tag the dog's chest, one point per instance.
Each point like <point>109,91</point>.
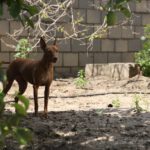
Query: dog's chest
<point>42,77</point>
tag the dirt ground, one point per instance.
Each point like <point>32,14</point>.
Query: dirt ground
<point>80,119</point>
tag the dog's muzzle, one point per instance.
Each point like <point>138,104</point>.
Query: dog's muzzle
<point>54,59</point>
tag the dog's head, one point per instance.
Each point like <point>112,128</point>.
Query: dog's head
<point>50,51</point>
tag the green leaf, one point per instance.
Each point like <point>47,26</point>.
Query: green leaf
<point>13,120</point>
<point>111,18</point>
<point>126,12</point>
<point>24,100</point>
<point>23,135</point>
<point>4,129</point>
<point>14,9</point>
<point>120,1</point>
<point>29,21</point>
<point>31,9</point>
<point>20,110</point>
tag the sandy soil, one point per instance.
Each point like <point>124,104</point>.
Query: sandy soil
<point>80,119</point>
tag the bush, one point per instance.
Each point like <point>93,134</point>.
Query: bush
<point>23,48</point>
<point>143,56</point>
<point>10,125</point>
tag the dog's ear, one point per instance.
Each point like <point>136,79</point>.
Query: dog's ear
<point>55,41</point>
<point>42,44</point>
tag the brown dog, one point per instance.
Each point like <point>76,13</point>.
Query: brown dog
<point>38,73</point>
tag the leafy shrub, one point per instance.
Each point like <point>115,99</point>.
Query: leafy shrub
<point>10,125</point>
<point>81,80</point>
<point>143,56</point>
<point>23,48</point>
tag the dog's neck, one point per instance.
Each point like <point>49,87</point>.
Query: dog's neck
<point>46,63</point>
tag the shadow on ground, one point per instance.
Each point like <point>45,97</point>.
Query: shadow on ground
<point>100,129</point>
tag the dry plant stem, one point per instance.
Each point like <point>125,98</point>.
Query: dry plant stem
<point>52,16</point>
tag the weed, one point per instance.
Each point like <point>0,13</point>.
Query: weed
<point>81,81</point>
<point>116,103</point>
<point>136,104</point>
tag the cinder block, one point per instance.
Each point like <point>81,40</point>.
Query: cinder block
<point>85,58</point>
<point>4,27</point>
<point>108,45</point>
<point>70,59</point>
<point>93,16</point>
<point>78,46</point>
<point>115,32</point>
<point>75,70</point>
<point>85,31</point>
<point>75,3</point>
<point>139,31</point>
<point>128,57</point>
<point>96,45</point>
<point>132,6</point>
<point>97,2</point>
<point>137,19</point>
<point>85,3</point>
<point>65,45</point>
<point>12,54</point>
<point>145,19</point>
<point>100,58</point>
<point>15,26</point>
<point>120,18</point>
<point>62,72</point>
<point>80,15</point>
<point>127,32</point>
<point>142,6</point>
<point>102,34</point>
<point>64,18</point>
<point>5,12</point>
<point>121,46</point>
<point>68,29</point>
<point>134,45</point>
<point>4,57</point>
<point>7,44</point>
<point>114,57</point>
<point>118,71</point>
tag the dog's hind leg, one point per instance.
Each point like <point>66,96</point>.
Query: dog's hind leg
<point>22,87</point>
<point>8,86</point>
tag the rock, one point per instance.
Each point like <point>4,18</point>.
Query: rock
<point>117,71</point>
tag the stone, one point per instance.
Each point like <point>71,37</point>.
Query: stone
<point>118,71</point>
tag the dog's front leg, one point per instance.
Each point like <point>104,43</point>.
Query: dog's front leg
<point>35,89</point>
<point>46,96</point>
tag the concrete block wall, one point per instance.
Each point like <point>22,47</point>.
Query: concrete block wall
<point>118,45</point>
